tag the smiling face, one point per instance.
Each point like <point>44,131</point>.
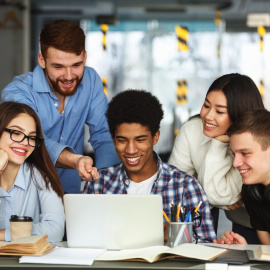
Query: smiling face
<point>18,152</point>
<point>214,114</point>
<point>64,70</point>
<point>134,146</point>
<point>252,162</point>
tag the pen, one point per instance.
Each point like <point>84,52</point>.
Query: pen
<point>187,216</point>
<point>166,217</point>
<point>172,212</point>
<point>91,176</point>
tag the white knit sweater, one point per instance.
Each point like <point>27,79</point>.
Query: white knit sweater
<point>210,161</point>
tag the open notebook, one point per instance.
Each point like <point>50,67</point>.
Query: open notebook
<point>113,221</point>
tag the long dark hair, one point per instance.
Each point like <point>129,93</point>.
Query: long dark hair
<point>39,158</point>
<point>241,94</point>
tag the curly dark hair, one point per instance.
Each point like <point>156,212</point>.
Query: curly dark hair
<point>134,106</point>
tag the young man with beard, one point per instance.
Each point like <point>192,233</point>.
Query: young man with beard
<point>250,143</point>
<point>67,95</point>
<point>134,118</point>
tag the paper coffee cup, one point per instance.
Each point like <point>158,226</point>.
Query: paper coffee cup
<point>20,226</point>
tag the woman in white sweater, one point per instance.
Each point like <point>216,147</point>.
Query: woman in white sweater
<point>202,147</point>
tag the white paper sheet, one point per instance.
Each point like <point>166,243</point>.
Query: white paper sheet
<point>60,255</point>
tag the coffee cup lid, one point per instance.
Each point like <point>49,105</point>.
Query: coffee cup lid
<point>20,218</point>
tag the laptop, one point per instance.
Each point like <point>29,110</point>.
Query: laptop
<point>113,221</point>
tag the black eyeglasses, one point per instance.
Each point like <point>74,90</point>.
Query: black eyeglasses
<point>18,136</point>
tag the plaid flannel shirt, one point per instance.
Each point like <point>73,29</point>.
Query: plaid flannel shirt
<point>171,183</point>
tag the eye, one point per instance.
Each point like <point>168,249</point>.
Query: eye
<point>121,140</point>
<point>206,106</point>
<point>16,132</point>
<point>57,66</point>
<point>219,112</point>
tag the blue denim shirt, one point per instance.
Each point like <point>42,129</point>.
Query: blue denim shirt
<point>66,130</point>
<point>24,198</point>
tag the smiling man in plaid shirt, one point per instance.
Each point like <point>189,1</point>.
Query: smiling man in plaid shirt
<point>134,118</point>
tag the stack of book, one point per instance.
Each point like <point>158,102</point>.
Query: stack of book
<point>35,245</point>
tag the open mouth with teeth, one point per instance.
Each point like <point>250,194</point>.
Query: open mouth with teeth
<point>133,160</point>
<point>210,125</point>
<point>20,152</point>
<point>68,84</point>
<point>243,171</point>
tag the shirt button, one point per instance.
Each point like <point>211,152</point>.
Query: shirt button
<point>61,138</point>
<point>55,104</point>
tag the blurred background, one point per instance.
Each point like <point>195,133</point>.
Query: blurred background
<point>172,48</point>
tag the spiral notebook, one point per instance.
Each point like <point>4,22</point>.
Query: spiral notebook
<point>113,222</point>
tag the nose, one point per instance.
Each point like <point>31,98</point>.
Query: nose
<point>68,73</point>
<point>25,141</point>
<point>237,161</point>
<point>210,115</point>
<point>131,148</point>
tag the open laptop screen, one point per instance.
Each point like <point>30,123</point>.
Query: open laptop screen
<point>113,221</point>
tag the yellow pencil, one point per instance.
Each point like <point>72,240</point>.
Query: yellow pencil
<point>166,217</point>
<point>198,206</point>
<point>178,211</point>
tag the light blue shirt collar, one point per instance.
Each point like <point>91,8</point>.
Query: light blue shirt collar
<point>20,180</point>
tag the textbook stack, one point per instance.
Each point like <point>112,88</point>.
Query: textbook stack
<point>35,245</point>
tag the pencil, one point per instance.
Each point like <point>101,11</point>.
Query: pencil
<point>166,217</point>
<point>198,206</point>
<point>178,211</point>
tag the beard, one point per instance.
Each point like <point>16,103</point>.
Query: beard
<point>56,85</point>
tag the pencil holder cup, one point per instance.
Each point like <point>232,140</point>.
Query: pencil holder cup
<point>20,226</point>
<point>179,233</point>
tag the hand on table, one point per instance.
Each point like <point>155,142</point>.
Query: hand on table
<point>230,237</point>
